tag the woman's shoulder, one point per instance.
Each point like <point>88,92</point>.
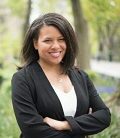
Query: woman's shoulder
<point>23,72</point>
<point>79,71</point>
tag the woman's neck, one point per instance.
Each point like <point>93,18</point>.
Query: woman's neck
<point>56,69</point>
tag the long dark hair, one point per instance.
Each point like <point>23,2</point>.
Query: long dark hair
<point>30,54</point>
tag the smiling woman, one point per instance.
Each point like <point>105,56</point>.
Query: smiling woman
<point>51,97</point>
<point>51,46</point>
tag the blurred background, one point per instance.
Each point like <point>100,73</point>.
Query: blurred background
<point>97,25</point>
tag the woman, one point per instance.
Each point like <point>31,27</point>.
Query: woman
<point>51,98</point>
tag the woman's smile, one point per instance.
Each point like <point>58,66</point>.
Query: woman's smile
<point>55,54</point>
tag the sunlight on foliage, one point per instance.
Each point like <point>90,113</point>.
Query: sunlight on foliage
<point>17,7</point>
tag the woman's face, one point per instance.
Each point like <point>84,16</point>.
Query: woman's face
<point>51,45</point>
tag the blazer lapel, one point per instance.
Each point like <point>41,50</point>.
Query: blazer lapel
<point>82,102</point>
<point>57,107</point>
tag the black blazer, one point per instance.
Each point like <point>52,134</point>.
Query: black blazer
<point>34,98</point>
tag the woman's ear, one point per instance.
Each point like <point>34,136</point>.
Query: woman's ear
<point>35,44</point>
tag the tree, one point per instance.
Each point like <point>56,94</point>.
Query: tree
<point>105,20</point>
<point>81,29</point>
<point>27,18</point>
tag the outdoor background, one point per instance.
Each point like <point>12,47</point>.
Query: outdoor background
<point>97,25</point>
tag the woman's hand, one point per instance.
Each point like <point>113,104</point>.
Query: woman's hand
<point>58,125</point>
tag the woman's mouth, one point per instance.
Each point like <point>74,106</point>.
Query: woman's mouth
<point>55,54</point>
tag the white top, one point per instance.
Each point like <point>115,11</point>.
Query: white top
<point>68,101</point>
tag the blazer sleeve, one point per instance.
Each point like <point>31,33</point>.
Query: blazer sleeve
<point>30,122</point>
<point>96,121</point>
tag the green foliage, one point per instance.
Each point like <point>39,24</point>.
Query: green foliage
<point>17,7</point>
<point>49,7</point>
<point>98,13</point>
<point>59,6</point>
<point>102,80</point>
<point>10,45</point>
<point>93,76</point>
<point>10,42</point>
<point>113,131</point>
<point>8,126</point>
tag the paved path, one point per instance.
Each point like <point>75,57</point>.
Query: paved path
<point>111,69</point>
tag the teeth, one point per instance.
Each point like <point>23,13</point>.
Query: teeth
<point>55,54</point>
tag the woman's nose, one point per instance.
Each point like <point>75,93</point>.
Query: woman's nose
<point>55,44</point>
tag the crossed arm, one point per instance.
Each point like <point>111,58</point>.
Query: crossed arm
<point>58,125</point>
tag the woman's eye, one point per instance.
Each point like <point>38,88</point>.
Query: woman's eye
<point>62,39</point>
<point>47,41</point>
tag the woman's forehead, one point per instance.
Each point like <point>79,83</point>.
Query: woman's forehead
<point>49,31</point>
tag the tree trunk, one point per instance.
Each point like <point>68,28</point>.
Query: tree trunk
<point>27,17</point>
<point>81,29</point>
